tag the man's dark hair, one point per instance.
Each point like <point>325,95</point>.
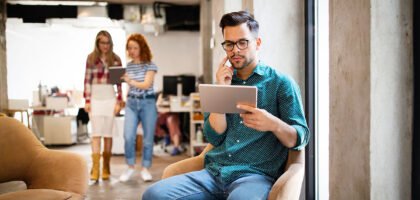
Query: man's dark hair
<point>237,18</point>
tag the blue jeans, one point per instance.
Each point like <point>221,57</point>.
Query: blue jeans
<point>136,111</point>
<point>203,185</point>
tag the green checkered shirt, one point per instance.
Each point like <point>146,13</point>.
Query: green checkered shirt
<point>241,150</point>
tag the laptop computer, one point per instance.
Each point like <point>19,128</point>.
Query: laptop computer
<point>224,98</point>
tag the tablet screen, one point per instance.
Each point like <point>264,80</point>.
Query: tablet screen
<point>224,98</point>
<point>115,74</point>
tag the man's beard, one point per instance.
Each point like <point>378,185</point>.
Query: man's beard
<point>238,66</point>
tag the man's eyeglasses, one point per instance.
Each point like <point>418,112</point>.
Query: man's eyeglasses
<point>241,44</point>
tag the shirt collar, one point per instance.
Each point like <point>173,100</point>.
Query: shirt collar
<point>259,69</point>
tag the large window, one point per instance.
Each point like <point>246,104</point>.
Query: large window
<point>317,98</point>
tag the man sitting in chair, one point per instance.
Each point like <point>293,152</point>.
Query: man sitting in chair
<point>250,149</point>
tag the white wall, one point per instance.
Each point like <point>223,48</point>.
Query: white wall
<point>282,34</point>
<point>233,5</point>
<point>175,52</point>
<point>56,54</point>
<point>53,54</point>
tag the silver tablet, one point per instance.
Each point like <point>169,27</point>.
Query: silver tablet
<point>115,74</point>
<point>224,98</point>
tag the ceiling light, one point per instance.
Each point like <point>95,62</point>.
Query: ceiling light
<point>56,3</point>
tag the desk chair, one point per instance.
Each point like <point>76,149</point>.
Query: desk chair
<point>48,174</point>
<point>287,186</point>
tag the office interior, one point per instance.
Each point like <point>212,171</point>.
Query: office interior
<point>354,62</point>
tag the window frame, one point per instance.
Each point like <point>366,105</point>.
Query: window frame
<point>310,173</point>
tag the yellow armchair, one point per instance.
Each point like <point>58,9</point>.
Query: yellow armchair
<point>48,174</point>
<point>287,186</point>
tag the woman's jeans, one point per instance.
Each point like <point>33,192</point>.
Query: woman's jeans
<point>136,111</point>
<point>201,185</point>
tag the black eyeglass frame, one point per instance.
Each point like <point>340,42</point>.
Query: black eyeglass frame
<point>235,44</point>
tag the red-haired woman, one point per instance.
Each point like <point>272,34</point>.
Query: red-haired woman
<point>140,106</point>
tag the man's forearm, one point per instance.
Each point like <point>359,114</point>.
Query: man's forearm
<point>218,122</point>
<point>285,133</point>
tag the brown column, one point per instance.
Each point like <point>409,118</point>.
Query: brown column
<point>206,34</point>
<point>350,105</point>
<point>3,67</point>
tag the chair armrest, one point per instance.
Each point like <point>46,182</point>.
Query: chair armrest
<point>289,185</point>
<point>184,166</point>
<point>58,170</point>
<point>188,165</point>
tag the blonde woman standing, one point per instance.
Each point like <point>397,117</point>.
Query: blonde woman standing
<point>102,102</point>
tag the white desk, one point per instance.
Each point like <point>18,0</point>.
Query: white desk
<point>55,129</point>
<point>59,130</point>
<point>118,135</point>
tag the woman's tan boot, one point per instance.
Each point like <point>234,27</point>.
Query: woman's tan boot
<point>94,172</point>
<point>106,169</point>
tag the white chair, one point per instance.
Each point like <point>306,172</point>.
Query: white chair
<point>19,106</point>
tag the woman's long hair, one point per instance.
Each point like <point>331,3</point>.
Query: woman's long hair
<point>111,57</point>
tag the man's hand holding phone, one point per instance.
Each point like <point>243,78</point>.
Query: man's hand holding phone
<point>224,73</point>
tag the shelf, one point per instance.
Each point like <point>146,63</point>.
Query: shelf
<point>197,119</point>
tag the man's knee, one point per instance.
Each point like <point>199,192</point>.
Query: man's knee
<point>153,192</point>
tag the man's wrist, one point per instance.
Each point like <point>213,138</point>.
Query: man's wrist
<point>217,114</point>
<point>276,125</point>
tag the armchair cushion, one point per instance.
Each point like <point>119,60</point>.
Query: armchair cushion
<point>41,194</point>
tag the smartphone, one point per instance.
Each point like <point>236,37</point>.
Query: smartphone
<point>228,63</point>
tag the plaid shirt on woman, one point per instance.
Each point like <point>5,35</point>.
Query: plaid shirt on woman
<point>98,73</point>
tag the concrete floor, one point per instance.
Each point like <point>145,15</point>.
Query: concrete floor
<point>113,189</point>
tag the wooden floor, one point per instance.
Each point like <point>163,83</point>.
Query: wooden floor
<point>113,189</point>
